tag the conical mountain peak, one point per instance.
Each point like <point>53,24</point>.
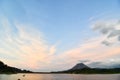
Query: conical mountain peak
<point>79,66</point>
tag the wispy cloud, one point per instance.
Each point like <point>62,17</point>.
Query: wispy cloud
<point>25,47</point>
<point>110,29</point>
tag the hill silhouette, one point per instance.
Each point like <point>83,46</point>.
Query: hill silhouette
<point>8,69</point>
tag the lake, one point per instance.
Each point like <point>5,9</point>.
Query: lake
<point>60,77</point>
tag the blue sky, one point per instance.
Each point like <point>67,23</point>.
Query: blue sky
<point>57,27</point>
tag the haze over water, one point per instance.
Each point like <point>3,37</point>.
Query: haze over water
<point>60,77</point>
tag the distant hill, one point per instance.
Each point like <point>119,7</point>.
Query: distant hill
<point>81,68</point>
<point>8,69</point>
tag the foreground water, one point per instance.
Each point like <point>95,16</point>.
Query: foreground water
<point>60,77</point>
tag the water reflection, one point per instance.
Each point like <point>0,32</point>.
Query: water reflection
<point>60,77</point>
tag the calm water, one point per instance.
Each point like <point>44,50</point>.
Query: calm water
<point>60,77</point>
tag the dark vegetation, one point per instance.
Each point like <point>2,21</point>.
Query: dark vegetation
<point>7,69</point>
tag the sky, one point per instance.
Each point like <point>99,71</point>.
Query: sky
<point>53,35</point>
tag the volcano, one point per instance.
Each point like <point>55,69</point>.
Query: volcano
<point>80,66</point>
